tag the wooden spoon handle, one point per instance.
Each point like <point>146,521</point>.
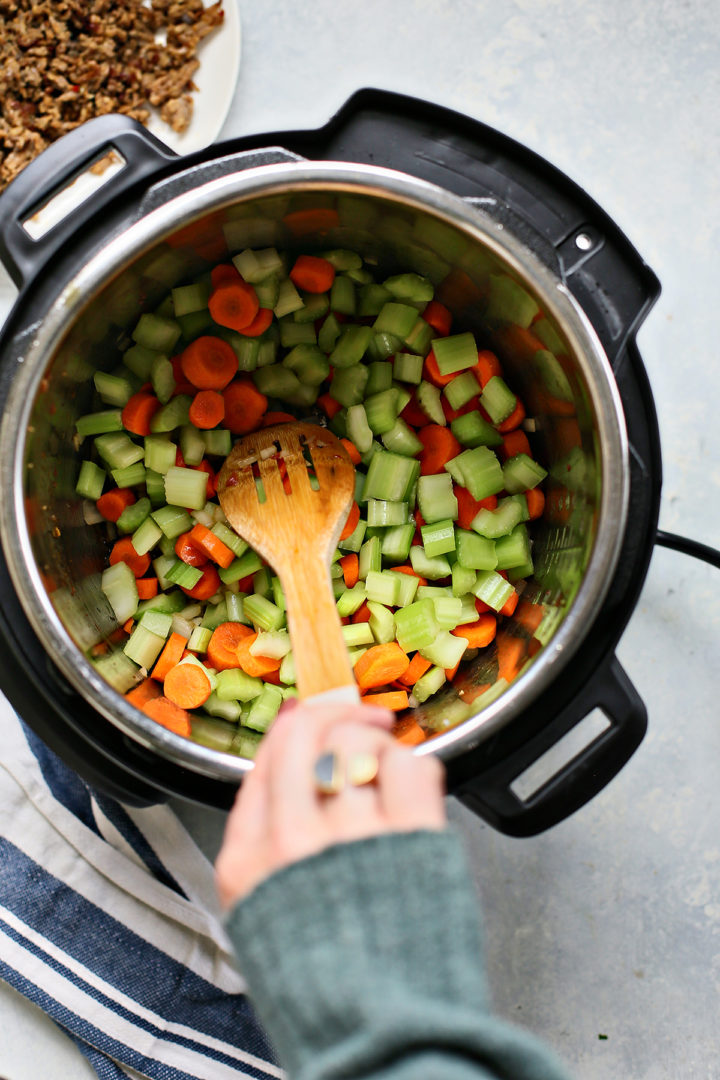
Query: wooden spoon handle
<point>321,659</point>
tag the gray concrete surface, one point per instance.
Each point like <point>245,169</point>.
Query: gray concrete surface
<point>603,934</point>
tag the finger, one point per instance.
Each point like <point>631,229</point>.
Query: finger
<point>355,811</point>
<point>412,790</point>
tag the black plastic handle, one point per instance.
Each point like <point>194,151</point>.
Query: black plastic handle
<point>55,169</point>
<point>489,794</point>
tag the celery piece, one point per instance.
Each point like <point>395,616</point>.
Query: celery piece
<point>513,550</point>
<point>230,538</point>
<point>278,594</point>
<point>397,319</point>
<point>492,589</point>
<point>192,444</point>
<point>217,729</point>
<point>113,389</point>
<point>200,639</point>
<point>234,685</point>
<point>91,481</point>
<point>428,684</point>
<point>156,332</point>
<point>160,453</point>
<point>263,613</point>
<point>432,592</point>
<point>234,607</point>
<point>195,323</point>
<point>497,399</point>
<point>438,537</point>
<point>215,615</point>
<point>397,541</point>
<point>245,743</point>
<point>381,411</point>
<point>288,300</point>
<point>276,380</point>
<point>372,298</point>
<point>242,567</point>
<point>389,476</point>
<point>186,487</point>
<point>354,541</point>
<point>139,360</point>
<point>383,513</point>
<point>508,302</point>
<point>462,389</point>
<point>370,557</point>
<point>401,439</point>
<point>130,476</point>
<point>383,587</point>
<point>267,351</point>
<point>162,378</point>
<point>382,347</point>
<point>475,552</point>
<point>407,587</point>
<point>432,569</point>
<point>521,473</point>
<point>463,579</point>
<point>155,487</point>
<point>420,338</point>
<point>162,565</point>
<point>458,352</point>
<point>255,266</point>
<point>428,398</point>
<point>351,346</point>
<point>342,259</point>
<point>379,377</point>
<point>519,573</point>
<point>357,634</point>
<point>448,611</point>
<point>350,600</point>
<point>309,363</point>
<point>247,350</point>
<point>381,622</point>
<point>184,575</point>
<point>470,612</point>
<point>143,646</point>
<point>98,423</point>
<point>408,368</point>
<point>264,708</point>
<point>172,520</point>
<point>133,516</point>
<point>499,522</point>
<point>328,334</point>
<point>157,622</point>
<point>436,498</point>
<point>190,298</point>
<point>218,442</point>
<point>166,545</point>
<point>357,428</point>
<point>342,296</point>
<point>416,625</point>
<point>146,536</point>
<point>274,644</point>
<point>411,287</point>
<point>473,429</point>
<point>294,332</point>
<point>120,587</point>
<point>172,415</point>
<point>261,581</point>
<point>479,471</point>
<point>118,670</point>
<point>118,450</point>
<point>287,673</point>
<point>446,650</point>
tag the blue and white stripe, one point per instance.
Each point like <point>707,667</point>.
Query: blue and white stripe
<point>109,923</point>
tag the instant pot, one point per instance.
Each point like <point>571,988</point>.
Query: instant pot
<point>522,256</point>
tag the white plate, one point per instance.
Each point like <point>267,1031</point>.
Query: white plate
<point>216,78</point>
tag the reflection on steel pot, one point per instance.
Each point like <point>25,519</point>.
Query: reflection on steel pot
<point>164,224</point>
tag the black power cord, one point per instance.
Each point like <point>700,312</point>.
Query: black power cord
<point>688,547</point>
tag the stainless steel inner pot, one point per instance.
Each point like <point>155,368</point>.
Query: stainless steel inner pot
<point>496,287</point>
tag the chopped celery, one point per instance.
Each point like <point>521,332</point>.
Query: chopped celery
<point>354,541</point>
<point>342,296</point>
<point>475,552</point>
<point>370,557</point>
<point>263,613</point>
<point>143,646</point>
<point>428,397</point>
<point>234,685</point>
<point>388,476</point>
<point>230,538</point>
<point>461,389</point>
<point>492,589</point>
<point>146,536</point>
<point>117,449</point>
<point>264,708</point>
<point>397,319</point>
<point>357,634</point>
<point>293,332</point>
<point>189,298</point>
<point>448,612</point>
<point>479,471</point>
<point>274,644</point>
<point>381,512</point>
<point>497,399</point>
<point>463,579</point>
<point>350,600</point>
<point>429,684</point>
<point>113,389</point>
<point>455,353</point>
<point>120,587</point>
<point>348,385</point>
<point>182,574</point>
<point>99,422</point>
<point>514,549</point>
<point>351,346</point>
<point>160,453</point>
<point>521,473</point>
<point>130,476</point>
<point>156,332</point>
<point>200,639</point>
<point>416,625</point>
<point>241,567</point>
<point>381,622</point>
<point>401,439</point>
<point>446,650</point>
<point>411,287</point>
<point>498,522</point>
<point>172,520</point>
<point>218,442</point>
<point>91,481</point>
<point>383,587</point>
<point>172,415</point>
<point>436,498</point>
<point>472,429</point>
<point>408,367</point>
<point>133,516</point>
<point>432,569</point>
<point>192,444</point>
<point>380,375</point>
<point>186,487</point>
<point>397,542</point>
<point>357,427</point>
<point>438,538</point>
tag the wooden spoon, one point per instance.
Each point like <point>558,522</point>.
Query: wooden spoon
<point>297,533</point>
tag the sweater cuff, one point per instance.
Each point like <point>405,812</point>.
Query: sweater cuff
<point>329,944</point>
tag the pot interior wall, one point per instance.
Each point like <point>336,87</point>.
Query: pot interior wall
<point>70,547</point>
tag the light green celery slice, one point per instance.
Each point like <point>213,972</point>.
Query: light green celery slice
<point>357,634</point>
<point>428,684</point>
<point>446,651</point>
<point>381,622</point>
<point>120,587</point>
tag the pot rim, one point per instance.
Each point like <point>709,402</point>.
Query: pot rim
<point>276,179</point>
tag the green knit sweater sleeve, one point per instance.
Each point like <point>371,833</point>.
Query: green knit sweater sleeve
<point>365,961</point>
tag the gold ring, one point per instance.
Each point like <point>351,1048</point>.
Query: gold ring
<point>332,773</point>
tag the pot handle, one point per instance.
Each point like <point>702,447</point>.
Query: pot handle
<point>490,792</point>
<point>141,153</point>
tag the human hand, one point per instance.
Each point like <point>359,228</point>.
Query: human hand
<point>279,817</point>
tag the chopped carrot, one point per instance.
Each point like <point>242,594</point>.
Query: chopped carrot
<point>439,317</point>
<point>207,409</point>
<point>222,647</point>
<point>112,503</point>
<point>380,664</point>
<point>391,699</point>
<point>511,653</point>
<point>408,732</point>
<point>409,570</point>
<point>329,405</point>
<point>207,586</point>
<point>517,341</point>
<point>123,551</point>
<point>128,626</point>
<point>451,672</point>
<point>480,633</point>
<point>510,604</point>
<point>514,420</point>
<point>209,363</point>
<point>350,566</point>
<point>143,692</point>
<point>315,219</point>
<point>417,668</point>
<point>224,273</point>
<point>277,417</point>
<point>431,371</point>
<point>470,406</point>
<point>139,411</point>
<point>487,366</point>
<point>353,452</point>
<point>100,649</point>
<point>439,447</point>
<point>481,607</point>
<point>312,274</point>
<point>172,654</point>
<point>245,406</point>
<point>257,666</point>
<point>535,503</point>
<point>469,508</point>
<point>470,693</point>
<point>234,304</point>
<point>187,550</point>
<point>413,414</point>
<point>182,386</point>
<point>259,324</point>
<point>147,587</point>
<point>351,523</point>
<point>211,545</point>
<point>170,715</point>
<point>515,442</point>
<point>187,685</point>
<point>363,614</point>
<point>529,616</point>
<point>206,467</point>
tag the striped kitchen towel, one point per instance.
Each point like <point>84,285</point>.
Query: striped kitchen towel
<point>109,923</point>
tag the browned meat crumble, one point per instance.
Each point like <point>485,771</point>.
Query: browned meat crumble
<point>63,62</point>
